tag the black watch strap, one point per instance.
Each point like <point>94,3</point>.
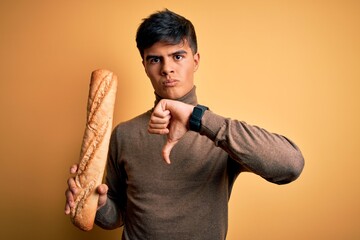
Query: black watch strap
<point>196,116</point>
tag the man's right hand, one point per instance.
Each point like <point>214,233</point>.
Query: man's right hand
<point>72,190</point>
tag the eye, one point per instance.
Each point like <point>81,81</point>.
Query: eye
<point>178,57</point>
<point>154,60</point>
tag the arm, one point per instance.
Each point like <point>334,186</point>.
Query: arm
<point>108,216</point>
<point>269,155</point>
<point>272,156</point>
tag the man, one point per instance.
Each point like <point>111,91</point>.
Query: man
<point>187,198</point>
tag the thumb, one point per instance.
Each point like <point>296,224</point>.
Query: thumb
<point>167,149</point>
<point>102,191</point>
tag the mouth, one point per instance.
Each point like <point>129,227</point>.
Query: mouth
<point>170,83</point>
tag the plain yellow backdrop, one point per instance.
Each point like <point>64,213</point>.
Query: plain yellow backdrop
<point>292,67</point>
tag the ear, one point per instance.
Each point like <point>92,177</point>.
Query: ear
<point>196,61</point>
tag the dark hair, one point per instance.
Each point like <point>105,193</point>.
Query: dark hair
<point>165,26</point>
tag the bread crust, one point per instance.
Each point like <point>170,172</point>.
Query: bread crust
<point>94,149</point>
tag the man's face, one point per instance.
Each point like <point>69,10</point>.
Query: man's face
<point>171,68</point>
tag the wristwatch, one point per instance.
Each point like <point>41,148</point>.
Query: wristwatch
<point>196,116</point>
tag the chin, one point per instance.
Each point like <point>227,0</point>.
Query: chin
<point>170,95</point>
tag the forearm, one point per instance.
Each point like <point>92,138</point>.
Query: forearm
<point>269,155</point>
<point>109,216</point>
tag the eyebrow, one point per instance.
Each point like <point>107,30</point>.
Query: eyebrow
<point>180,52</point>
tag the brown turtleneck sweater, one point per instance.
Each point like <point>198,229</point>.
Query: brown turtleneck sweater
<point>187,199</point>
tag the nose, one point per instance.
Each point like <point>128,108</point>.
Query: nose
<point>167,68</point>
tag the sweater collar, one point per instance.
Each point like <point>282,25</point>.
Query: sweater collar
<point>189,98</point>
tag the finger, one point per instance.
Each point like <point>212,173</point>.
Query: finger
<point>72,189</point>
<point>70,203</point>
<point>153,125</point>
<point>102,190</point>
<point>162,131</point>
<point>159,125</point>
<point>160,113</point>
<point>160,120</point>
<point>72,186</point>
<point>68,199</point>
<point>167,150</point>
<point>69,196</point>
<point>73,169</point>
<point>67,209</point>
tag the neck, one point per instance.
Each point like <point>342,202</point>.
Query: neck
<point>189,98</point>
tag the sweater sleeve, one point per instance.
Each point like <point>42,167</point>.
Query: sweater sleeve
<point>108,216</point>
<point>269,155</point>
<point>111,215</point>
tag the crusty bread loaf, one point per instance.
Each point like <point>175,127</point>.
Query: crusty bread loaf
<point>94,148</point>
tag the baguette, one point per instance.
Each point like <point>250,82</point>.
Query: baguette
<point>94,147</point>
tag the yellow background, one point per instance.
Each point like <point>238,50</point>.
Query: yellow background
<point>292,67</point>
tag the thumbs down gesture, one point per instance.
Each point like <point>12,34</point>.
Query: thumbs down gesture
<point>171,118</point>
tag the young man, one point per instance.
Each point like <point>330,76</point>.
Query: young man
<point>187,198</point>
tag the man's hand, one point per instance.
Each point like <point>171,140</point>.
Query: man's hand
<point>170,117</point>
<point>72,190</point>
